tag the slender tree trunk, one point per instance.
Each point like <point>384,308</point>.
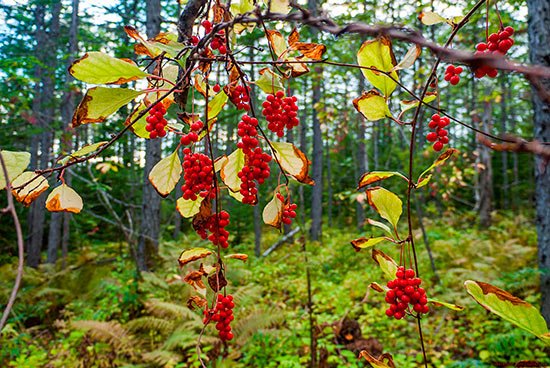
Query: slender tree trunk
<point>303,148</point>
<point>504,155</point>
<point>362,158</point>
<point>485,169</point>
<point>539,52</point>
<point>150,213</point>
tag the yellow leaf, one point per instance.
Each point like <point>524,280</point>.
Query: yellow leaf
<point>372,105</point>
<point>378,54</point>
<point>363,242</point>
<point>409,104</point>
<point>34,185</point>
<point>193,254</point>
<point>138,128</point>
<point>410,57</point>
<point>374,176</point>
<point>386,263</point>
<point>166,173</point>
<point>430,18</point>
<point>380,362</point>
<point>99,68</point>
<point>439,303</point>
<point>16,163</point>
<point>278,6</point>
<point>188,208</point>
<point>269,82</point>
<point>230,170</point>
<point>273,211</point>
<point>87,149</point>
<point>293,161</point>
<point>277,42</point>
<point>386,203</point>
<point>438,162</point>
<point>64,199</point>
<point>216,105</point>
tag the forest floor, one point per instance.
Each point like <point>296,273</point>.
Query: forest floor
<point>96,314</point>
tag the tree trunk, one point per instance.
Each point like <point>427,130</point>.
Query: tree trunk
<point>303,148</point>
<point>505,194</point>
<point>539,52</point>
<point>485,170</point>
<point>150,213</point>
<point>362,158</point>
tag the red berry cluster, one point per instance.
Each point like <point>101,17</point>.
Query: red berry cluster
<point>156,121</point>
<point>218,41</point>
<point>497,43</point>
<point>223,315</point>
<point>256,168</point>
<point>246,129</point>
<point>192,136</point>
<point>440,135</point>
<point>289,210</point>
<point>405,291</point>
<point>241,97</point>
<point>280,112</point>
<point>452,74</point>
<point>197,175</point>
<point>216,224</point>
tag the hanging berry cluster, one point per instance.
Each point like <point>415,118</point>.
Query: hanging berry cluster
<point>215,225</point>
<point>405,292</point>
<point>280,112</point>
<point>156,123</point>
<point>440,135</point>
<point>223,315</point>
<point>496,43</point>
<point>256,166</point>
<point>289,210</point>
<point>217,42</point>
<point>452,74</point>
<point>193,135</point>
<point>241,97</point>
<point>197,175</point>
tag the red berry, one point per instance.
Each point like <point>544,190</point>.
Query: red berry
<point>438,146</point>
<point>216,88</point>
<point>454,80</point>
<point>482,46</point>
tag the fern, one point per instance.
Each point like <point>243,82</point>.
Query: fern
<point>254,321</point>
<point>111,333</point>
<point>161,309</point>
<point>162,358</point>
<point>150,323</point>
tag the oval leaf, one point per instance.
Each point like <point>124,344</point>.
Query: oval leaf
<point>374,176</point>
<point>230,170</point>
<point>82,152</point>
<point>381,225</point>
<point>386,203</point>
<point>16,163</point>
<point>293,161</point>
<point>99,68</point>
<point>409,104</point>
<point>440,161</point>
<point>273,212</point>
<point>372,106</point>
<point>216,105</point>
<point>430,18</point>
<point>386,263</point>
<point>378,54</point>
<point>409,58</point>
<point>439,303</point>
<point>64,199</point>
<point>269,82</point>
<point>100,102</point>
<point>188,208</point>
<point>509,307</point>
<point>362,243</point>
<point>34,185</point>
<point>166,173</point>
<point>193,254</point>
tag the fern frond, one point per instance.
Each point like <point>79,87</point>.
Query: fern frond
<point>150,323</point>
<point>253,322</point>
<point>162,358</point>
<point>184,337</point>
<point>111,333</point>
<point>161,309</point>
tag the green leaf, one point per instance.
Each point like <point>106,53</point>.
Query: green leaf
<point>64,199</point>
<point>230,170</point>
<point>166,173</point>
<point>381,225</point>
<point>509,307</point>
<point>374,176</point>
<point>439,303</point>
<point>438,162</point>
<point>423,181</point>
<point>188,208</point>
<point>409,104</point>
<point>216,105</point>
<point>100,102</point>
<point>372,105</point>
<point>386,263</point>
<point>269,82</point>
<point>293,161</point>
<point>99,68</point>
<point>430,18</point>
<point>362,243</point>
<point>16,163</point>
<point>378,54</point>
<point>386,203</point>
<point>193,254</point>
<point>87,149</point>
<point>138,128</point>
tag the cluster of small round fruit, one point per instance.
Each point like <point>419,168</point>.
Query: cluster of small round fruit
<point>218,41</point>
<point>280,112</point>
<point>440,134</point>
<point>289,210</point>
<point>223,315</point>
<point>452,74</point>
<point>497,43</point>
<point>216,225</point>
<point>156,123</point>
<point>197,175</point>
<point>405,291</point>
<point>193,135</point>
<point>240,96</point>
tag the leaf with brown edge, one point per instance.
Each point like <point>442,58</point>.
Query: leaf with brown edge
<point>230,170</point>
<point>439,303</point>
<point>194,278</point>
<point>409,104</point>
<point>372,105</point>
<point>101,102</point>
<point>198,301</point>
<point>296,69</point>
<point>16,163</point>
<point>165,174</point>
<point>293,37</point>
<point>386,203</point>
<point>374,176</point>
<point>509,308</point>
<point>188,208</point>
<point>87,149</point>
<point>273,212</point>
<point>277,42</point>
<point>293,161</point>
<point>64,199</point>
<point>378,288</point>
<point>34,185</point>
<point>438,162</point>
<point>384,361</point>
<point>313,51</point>
<point>193,254</point>
<point>217,279</point>
<point>410,57</point>
<point>386,263</point>
<point>99,68</point>
<point>378,54</point>
<point>269,81</point>
<point>240,256</point>
<point>278,6</point>
<point>363,242</point>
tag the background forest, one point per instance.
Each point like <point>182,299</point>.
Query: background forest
<point>104,289</point>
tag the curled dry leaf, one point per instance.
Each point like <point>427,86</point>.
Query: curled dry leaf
<point>193,254</point>
<point>64,199</point>
<point>217,279</point>
<point>374,176</point>
<point>384,361</point>
<point>28,186</point>
<point>378,288</point>
<point>240,256</point>
<point>363,242</point>
<point>198,301</point>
